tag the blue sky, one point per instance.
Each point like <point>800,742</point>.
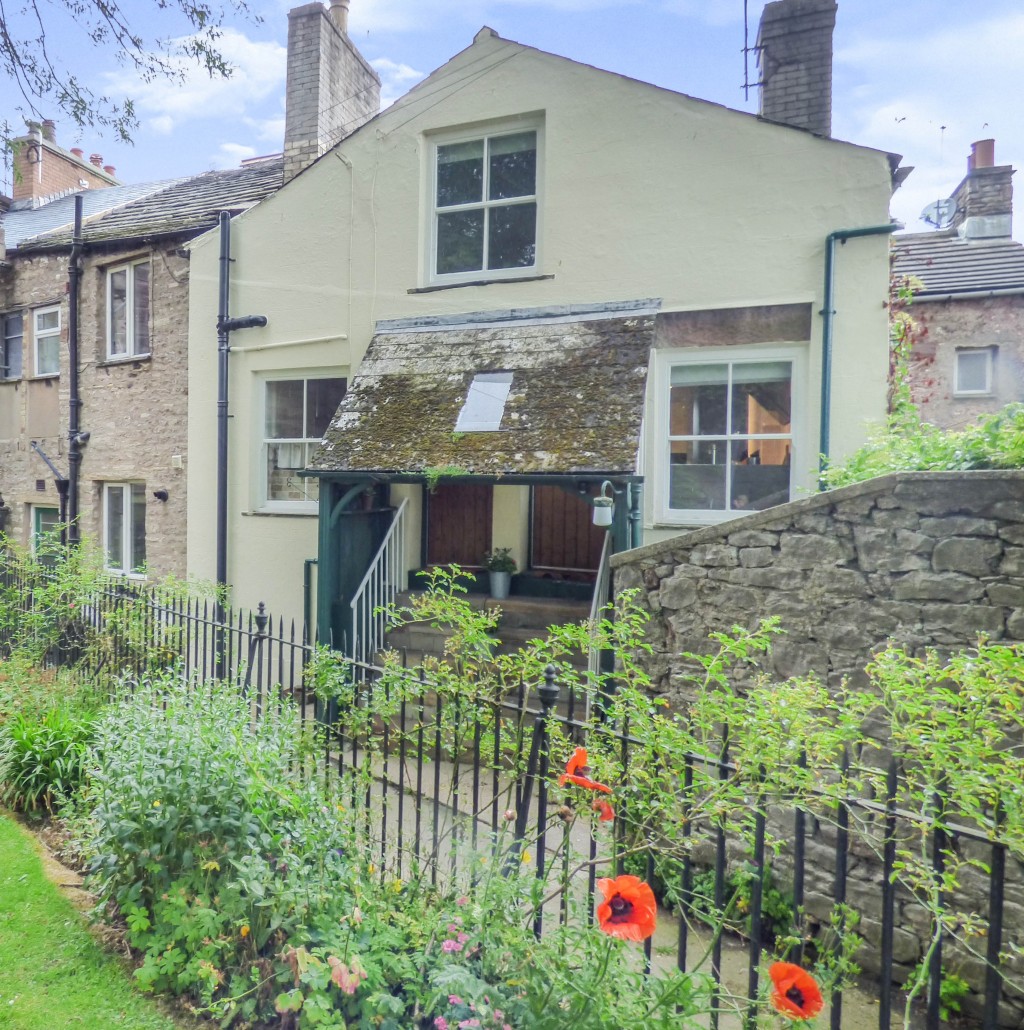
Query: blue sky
<point>923,78</point>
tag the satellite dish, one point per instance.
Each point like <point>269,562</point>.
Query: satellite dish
<point>939,214</point>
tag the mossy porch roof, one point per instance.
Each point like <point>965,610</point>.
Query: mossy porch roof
<point>575,404</point>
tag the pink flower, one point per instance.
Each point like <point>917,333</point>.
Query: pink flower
<point>440,1023</point>
<point>462,901</point>
<point>449,946</point>
<point>463,937</point>
<point>469,1022</point>
<point>454,999</point>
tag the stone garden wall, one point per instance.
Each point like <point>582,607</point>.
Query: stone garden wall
<point>919,559</point>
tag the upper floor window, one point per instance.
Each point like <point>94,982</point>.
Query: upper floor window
<point>973,373</point>
<point>729,434</point>
<point>12,332</point>
<point>128,310</point>
<point>484,205</point>
<point>124,527</point>
<point>46,337</point>
<point>297,413</point>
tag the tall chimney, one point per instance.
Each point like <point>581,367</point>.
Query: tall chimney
<point>984,198</point>
<point>331,89</point>
<point>795,58</point>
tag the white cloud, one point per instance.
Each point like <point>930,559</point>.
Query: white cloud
<point>396,79</point>
<point>258,73</point>
<point>162,125</point>
<point>930,99</point>
<point>231,155</point>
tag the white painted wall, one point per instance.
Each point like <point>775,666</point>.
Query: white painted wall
<point>643,193</point>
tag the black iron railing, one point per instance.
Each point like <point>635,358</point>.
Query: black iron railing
<point>441,772</point>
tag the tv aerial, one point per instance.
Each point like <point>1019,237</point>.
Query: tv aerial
<point>939,214</point>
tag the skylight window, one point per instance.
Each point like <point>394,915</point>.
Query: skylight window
<point>485,403</point>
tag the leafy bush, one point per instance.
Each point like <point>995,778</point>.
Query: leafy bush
<point>43,758</point>
<point>909,444</point>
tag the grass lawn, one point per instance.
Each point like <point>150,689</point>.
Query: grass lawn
<point>52,973</point>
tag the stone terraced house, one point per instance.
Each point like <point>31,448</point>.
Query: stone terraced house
<point>107,439</point>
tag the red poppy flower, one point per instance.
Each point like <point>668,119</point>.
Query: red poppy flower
<point>606,810</point>
<point>794,992</point>
<point>629,910</point>
<point>577,771</point>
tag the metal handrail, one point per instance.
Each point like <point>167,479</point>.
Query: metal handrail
<point>599,600</point>
<point>377,589</point>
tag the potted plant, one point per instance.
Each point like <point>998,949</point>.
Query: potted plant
<point>500,564</point>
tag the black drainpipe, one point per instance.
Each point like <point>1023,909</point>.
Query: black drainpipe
<point>75,436</point>
<point>225,326</point>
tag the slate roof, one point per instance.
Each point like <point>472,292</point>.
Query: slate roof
<point>185,207</point>
<point>23,222</point>
<point>575,404</point>
<point>947,264</point>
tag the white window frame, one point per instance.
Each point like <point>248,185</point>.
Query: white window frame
<point>47,334</point>
<point>262,500</point>
<point>467,136</point>
<point>132,345</point>
<point>35,512</point>
<point>659,443</point>
<point>989,354</point>
<point>127,516</point>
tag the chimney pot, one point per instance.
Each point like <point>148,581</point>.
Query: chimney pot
<point>50,130</point>
<point>96,159</point>
<point>983,154</point>
<point>110,170</point>
<point>79,153</point>
<point>339,14</point>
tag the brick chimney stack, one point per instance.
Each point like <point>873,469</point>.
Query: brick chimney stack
<point>795,59</point>
<point>43,169</point>
<point>331,89</point>
<point>984,199</point>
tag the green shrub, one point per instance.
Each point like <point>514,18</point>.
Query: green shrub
<point>43,758</point>
<point>909,444</point>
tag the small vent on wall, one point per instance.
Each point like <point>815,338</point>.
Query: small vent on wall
<point>41,485</point>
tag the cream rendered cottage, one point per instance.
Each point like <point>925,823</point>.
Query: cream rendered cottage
<point>528,283</point>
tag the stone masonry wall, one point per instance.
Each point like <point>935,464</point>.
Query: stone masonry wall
<point>926,560</point>
<point>134,409</point>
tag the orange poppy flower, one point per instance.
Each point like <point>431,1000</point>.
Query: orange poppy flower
<point>794,992</point>
<point>606,810</point>
<point>577,771</point>
<point>629,910</point>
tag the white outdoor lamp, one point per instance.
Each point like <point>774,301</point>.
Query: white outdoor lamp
<point>604,505</point>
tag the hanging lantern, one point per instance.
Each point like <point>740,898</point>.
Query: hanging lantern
<point>604,506</point>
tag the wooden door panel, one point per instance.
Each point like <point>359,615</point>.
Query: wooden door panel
<point>459,524</point>
<point>563,535</point>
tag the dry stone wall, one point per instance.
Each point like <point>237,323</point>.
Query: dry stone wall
<point>925,560</point>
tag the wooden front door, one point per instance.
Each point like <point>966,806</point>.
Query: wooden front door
<point>459,524</point>
<point>563,535</point>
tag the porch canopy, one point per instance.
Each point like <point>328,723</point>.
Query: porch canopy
<point>520,395</point>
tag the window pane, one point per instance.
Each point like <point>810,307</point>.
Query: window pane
<point>140,298</point>
<point>322,399</point>
<point>697,475</point>
<point>138,536</point>
<point>761,407</point>
<point>11,357</point>
<point>756,486</point>
<point>698,400</point>
<point>513,236</point>
<point>460,242</point>
<point>284,409</point>
<point>115,527</point>
<point>972,372</point>
<point>48,355</point>
<point>47,320</point>
<point>119,312</point>
<point>460,173</point>
<point>283,462</point>
<point>513,166</point>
